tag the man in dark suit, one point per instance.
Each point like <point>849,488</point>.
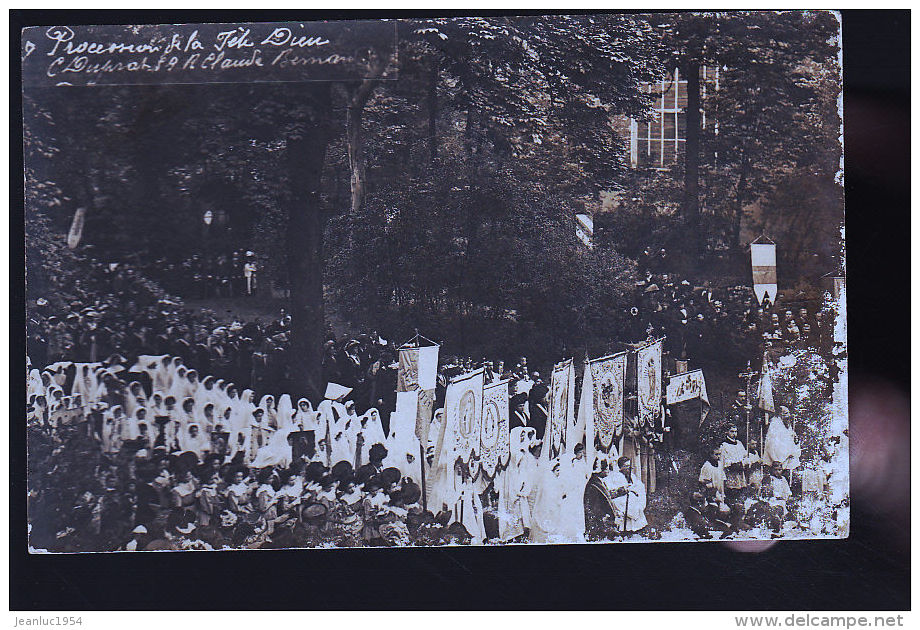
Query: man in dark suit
<point>538,408</point>
<point>519,415</point>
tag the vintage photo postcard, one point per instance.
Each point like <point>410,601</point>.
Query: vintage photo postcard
<point>444,281</point>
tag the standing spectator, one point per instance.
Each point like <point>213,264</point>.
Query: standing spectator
<point>249,272</point>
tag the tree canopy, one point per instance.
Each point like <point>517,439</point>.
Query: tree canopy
<point>445,199</point>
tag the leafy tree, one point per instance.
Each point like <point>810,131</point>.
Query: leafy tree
<point>772,107</point>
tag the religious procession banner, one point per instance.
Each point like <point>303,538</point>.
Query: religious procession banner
<point>608,379</point>
<point>648,382</point>
<point>462,417</point>
<point>561,421</point>
<point>418,371</point>
<point>687,386</point>
<point>763,269</point>
<point>494,434</point>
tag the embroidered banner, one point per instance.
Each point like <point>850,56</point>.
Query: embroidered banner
<point>494,436</point>
<point>562,407</point>
<point>608,377</point>
<point>462,413</point>
<point>648,382</point>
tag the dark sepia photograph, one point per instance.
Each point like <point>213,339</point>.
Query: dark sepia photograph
<point>435,281</point>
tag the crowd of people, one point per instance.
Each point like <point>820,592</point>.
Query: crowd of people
<point>193,440</point>
<point>170,460</point>
<point>702,323</point>
<point>742,486</point>
<point>208,275</point>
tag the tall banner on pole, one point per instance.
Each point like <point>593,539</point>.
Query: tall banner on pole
<point>463,416</point>
<point>494,434</point>
<point>418,371</point>
<point>763,268</point>
<point>608,379</point>
<point>561,421</point>
<point>648,382</point>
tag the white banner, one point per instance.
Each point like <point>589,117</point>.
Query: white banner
<point>763,269</point>
<point>687,386</point>
<point>428,367</point>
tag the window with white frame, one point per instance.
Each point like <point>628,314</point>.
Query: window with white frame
<point>659,143</point>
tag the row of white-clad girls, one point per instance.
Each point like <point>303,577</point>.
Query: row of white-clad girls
<point>192,410</point>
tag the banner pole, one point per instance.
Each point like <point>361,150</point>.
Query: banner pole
<point>421,448</point>
<point>626,511</point>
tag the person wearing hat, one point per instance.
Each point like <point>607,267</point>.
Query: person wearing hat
<point>374,504</point>
<point>348,513</point>
<point>265,500</point>
<point>139,538</point>
<point>209,504</point>
<point>393,527</point>
<point>249,272</point>
<point>539,408</point>
<point>184,493</point>
<point>519,415</point>
<point>239,492</point>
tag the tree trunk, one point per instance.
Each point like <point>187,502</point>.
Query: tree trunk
<point>354,136</point>
<point>433,112</point>
<point>740,191</point>
<point>355,140</point>
<point>306,224</point>
<point>691,201</point>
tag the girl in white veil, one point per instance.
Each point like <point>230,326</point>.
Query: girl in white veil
<point>206,391</point>
<point>440,480</point>
<point>305,417</point>
<point>172,373</point>
<point>194,440</point>
<point>403,447</point>
<point>323,438</point>
<point>340,450</point>
<point>575,477</point>
<point>516,487</point>
<point>285,412</point>
<point>246,401</point>
<point>267,404</point>
<point>129,427</point>
<point>372,430</point>
<point>278,451</point>
<point>35,387</point>
<point>111,430</point>
<point>162,374</point>
<point>179,387</point>
<point>547,508</point>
